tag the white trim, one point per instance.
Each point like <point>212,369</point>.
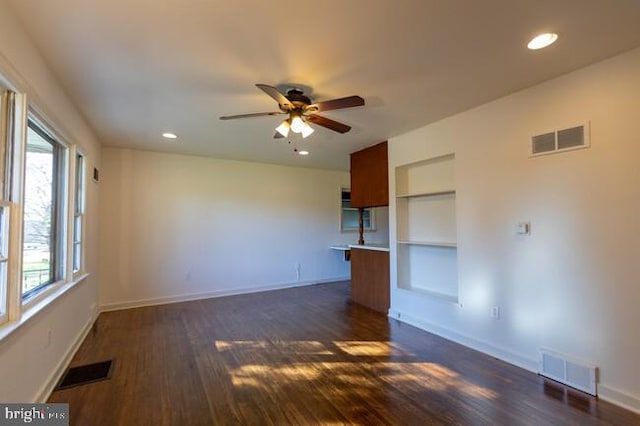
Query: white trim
<point>503,354</point>
<point>116,306</point>
<point>62,214</point>
<point>618,397</point>
<point>70,192</point>
<point>14,289</point>
<point>5,226</point>
<point>83,208</point>
<point>27,313</point>
<point>47,388</point>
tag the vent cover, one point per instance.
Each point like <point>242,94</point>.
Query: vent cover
<point>82,375</point>
<point>561,140</point>
<point>561,369</point>
<point>543,143</point>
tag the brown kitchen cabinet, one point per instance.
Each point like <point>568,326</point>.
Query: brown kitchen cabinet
<point>370,177</point>
<point>370,278</point>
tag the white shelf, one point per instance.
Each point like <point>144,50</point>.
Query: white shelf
<point>427,193</point>
<point>429,243</point>
<point>433,294</point>
<point>427,258</point>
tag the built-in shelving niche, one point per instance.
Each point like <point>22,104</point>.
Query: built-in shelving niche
<point>426,228</point>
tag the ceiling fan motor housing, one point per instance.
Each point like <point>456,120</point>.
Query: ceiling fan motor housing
<point>297,98</point>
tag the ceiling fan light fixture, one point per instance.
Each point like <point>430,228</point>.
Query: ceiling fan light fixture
<point>306,130</point>
<point>297,124</point>
<point>299,109</point>
<point>283,128</point>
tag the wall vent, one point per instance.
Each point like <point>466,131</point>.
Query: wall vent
<point>560,140</point>
<point>570,372</point>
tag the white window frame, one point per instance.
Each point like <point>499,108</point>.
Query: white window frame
<point>347,229</point>
<point>77,206</point>
<point>5,236</point>
<point>12,142</point>
<point>13,132</point>
<point>62,244</point>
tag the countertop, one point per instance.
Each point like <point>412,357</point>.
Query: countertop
<point>367,246</point>
<point>371,246</point>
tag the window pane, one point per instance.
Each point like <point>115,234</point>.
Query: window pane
<point>3,233</point>
<point>351,216</point>
<point>39,208</point>
<point>350,219</point>
<point>79,211</point>
<point>4,225</point>
<point>77,253</point>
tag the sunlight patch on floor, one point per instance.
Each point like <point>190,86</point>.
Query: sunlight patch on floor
<point>412,376</point>
<point>302,347</point>
<point>369,348</point>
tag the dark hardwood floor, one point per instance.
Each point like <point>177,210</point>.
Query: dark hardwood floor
<point>305,356</point>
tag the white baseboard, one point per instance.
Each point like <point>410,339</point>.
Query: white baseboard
<point>618,397</point>
<point>116,306</point>
<point>502,354</point>
<point>607,393</point>
<point>56,374</point>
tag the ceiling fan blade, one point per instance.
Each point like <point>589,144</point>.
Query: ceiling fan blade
<point>278,135</point>
<point>328,123</point>
<point>348,102</point>
<point>255,114</point>
<point>275,94</point>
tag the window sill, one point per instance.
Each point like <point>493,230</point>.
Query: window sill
<point>38,306</point>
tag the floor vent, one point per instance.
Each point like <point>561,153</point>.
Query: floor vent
<point>84,374</point>
<point>560,140</point>
<point>569,372</point>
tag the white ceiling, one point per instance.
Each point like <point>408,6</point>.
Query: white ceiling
<point>137,68</point>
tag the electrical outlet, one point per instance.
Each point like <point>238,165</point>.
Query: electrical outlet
<point>524,228</point>
<point>495,312</point>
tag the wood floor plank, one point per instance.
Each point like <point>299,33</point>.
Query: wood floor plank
<point>305,356</point>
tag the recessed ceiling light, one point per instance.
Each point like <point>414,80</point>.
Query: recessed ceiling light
<point>169,135</point>
<point>303,152</point>
<point>543,40</point>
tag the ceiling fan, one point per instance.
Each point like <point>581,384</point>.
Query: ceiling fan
<point>301,111</point>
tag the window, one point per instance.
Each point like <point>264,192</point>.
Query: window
<point>78,214</point>
<point>43,223</point>
<point>4,258</point>
<point>6,112</point>
<point>42,209</point>
<point>349,216</point>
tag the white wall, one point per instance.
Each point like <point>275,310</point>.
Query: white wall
<point>572,286</point>
<point>28,365</point>
<point>177,227</point>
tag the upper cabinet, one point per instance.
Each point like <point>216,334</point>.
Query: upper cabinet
<point>369,177</point>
